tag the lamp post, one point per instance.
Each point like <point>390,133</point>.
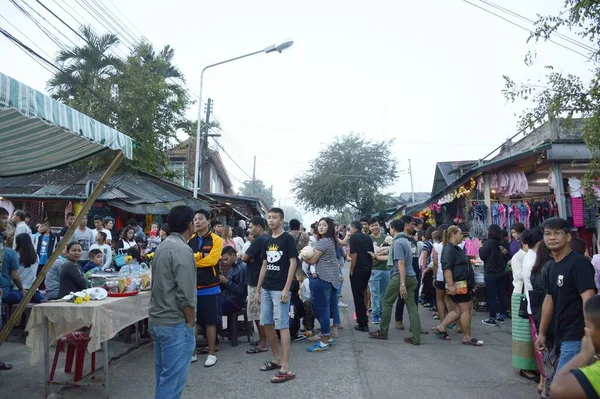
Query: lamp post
<point>271,49</point>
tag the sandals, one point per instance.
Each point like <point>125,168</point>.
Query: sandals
<point>282,377</point>
<point>472,342</point>
<point>5,366</point>
<point>256,349</point>
<point>411,341</point>
<point>270,366</point>
<point>377,335</point>
<point>443,335</point>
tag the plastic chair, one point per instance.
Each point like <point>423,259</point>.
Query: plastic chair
<point>75,343</point>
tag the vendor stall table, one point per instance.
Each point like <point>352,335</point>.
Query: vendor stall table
<point>53,320</point>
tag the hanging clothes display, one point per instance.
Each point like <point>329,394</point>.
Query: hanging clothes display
<point>508,183</point>
<point>479,223</point>
<point>577,206</point>
<point>589,214</point>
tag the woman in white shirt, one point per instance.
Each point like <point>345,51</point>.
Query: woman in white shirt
<point>440,285</point>
<point>523,357</point>
<point>28,264</point>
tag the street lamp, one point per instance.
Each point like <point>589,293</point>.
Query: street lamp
<point>271,49</point>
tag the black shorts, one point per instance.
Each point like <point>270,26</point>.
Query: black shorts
<point>461,298</point>
<point>207,310</point>
<point>440,285</point>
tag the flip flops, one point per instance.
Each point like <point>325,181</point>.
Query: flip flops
<point>472,342</point>
<point>256,349</point>
<point>282,377</point>
<point>441,334</point>
<point>270,366</point>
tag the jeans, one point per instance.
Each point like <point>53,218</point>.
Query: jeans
<point>379,282</point>
<point>273,311</point>
<point>320,299</point>
<point>341,284</point>
<point>568,350</point>
<point>173,350</point>
<point>393,292</point>
<point>335,308</point>
<point>359,281</point>
<point>496,288</point>
<point>400,303</point>
<point>15,297</point>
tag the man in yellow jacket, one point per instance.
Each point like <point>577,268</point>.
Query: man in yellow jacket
<point>207,248</point>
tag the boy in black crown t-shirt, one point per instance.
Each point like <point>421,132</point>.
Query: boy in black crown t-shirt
<point>273,293</point>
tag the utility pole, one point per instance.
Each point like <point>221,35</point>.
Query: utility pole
<point>254,178</point>
<point>411,181</point>
<point>204,151</point>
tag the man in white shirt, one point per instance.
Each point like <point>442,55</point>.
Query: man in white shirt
<point>21,227</point>
<point>105,248</point>
<point>98,223</point>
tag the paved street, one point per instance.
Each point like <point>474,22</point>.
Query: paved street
<point>358,367</point>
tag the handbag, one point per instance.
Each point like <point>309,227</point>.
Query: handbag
<point>523,305</point>
<point>461,287</point>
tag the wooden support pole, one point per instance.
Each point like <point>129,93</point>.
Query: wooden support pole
<point>60,248</point>
<point>487,197</point>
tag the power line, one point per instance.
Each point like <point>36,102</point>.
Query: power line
<point>529,30</point>
<point>232,160</point>
<point>64,23</point>
<point>18,30</point>
<point>46,32</point>
<point>27,50</point>
<point>558,34</point>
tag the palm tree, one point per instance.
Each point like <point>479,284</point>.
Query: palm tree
<point>86,74</point>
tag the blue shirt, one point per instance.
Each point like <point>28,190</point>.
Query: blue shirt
<point>10,262</point>
<point>44,250</point>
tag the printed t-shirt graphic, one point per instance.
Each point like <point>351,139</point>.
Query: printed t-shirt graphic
<point>277,253</point>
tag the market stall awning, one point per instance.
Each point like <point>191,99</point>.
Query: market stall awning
<point>39,133</point>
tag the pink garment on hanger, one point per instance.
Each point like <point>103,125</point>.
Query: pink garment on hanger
<point>524,186</point>
<point>502,216</point>
<point>494,181</point>
<point>577,206</point>
<point>511,189</point>
<point>527,217</point>
<point>502,181</point>
<point>480,184</point>
<point>468,244</point>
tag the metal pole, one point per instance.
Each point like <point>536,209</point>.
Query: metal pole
<point>205,143</point>
<point>254,178</point>
<point>411,181</point>
<point>16,316</point>
<point>198,128</point>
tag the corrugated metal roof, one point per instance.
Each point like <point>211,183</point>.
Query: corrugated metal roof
<point>69,183</point>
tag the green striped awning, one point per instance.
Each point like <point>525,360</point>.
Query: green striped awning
<point>39,133</point>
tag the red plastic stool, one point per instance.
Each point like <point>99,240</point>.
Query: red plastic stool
<point>75,343</point>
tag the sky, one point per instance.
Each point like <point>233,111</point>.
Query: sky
<point>427,74</point>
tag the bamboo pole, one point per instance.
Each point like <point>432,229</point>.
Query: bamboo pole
<point>60,248</point>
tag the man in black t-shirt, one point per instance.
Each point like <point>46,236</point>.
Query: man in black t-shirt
<point>361,264</point>
<point>273,293</point>
<point>253,257</point>
<point>569,284</point>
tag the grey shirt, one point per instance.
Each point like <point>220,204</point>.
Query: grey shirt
<point>85,238</point>
<point>173,282</point>
<point>403,251</point>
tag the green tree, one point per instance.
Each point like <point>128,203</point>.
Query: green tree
<point>153,104</point>
<point>258,189</point>
<point>565,95</point>
<point>87,75</point>
<point>351,171</point>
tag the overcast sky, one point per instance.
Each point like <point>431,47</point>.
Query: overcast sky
<point>428,74</point>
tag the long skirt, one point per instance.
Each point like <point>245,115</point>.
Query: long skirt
<point>523,356</point>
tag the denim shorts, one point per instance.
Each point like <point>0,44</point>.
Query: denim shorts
<point>273,311</point>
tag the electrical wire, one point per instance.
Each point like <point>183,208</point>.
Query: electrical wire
<point>27,50</point>
<point>530,31</point>
<point>558,34</point>
<point>18,30</point>
<point>64,23</point>
<point>46,32</point>
<point>232,160</point>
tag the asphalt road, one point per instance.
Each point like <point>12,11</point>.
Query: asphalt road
<point>357,367</point>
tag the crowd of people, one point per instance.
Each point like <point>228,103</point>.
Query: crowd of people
<point>286,280</point>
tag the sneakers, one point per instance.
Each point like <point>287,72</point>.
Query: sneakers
<point>500,319</point>
<point>318,347</point>
<point>194,358</point>
<point>376,320</point>
<point>300,337</point>
<point>399,325</point>
<point>363,329</point>
<point>489,322</point>
<point>211,360</point>
<point>331,342</point>
<point>341,304</point>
